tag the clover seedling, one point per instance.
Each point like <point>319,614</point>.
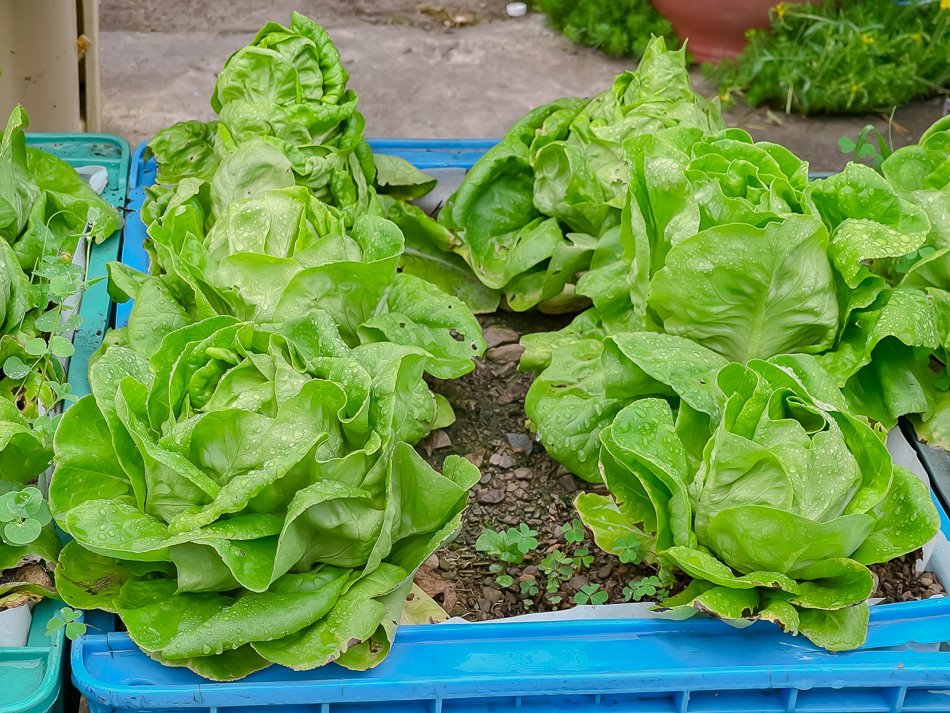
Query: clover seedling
<point>557,565</point>
<point>870,144</point>
<point>637,589</point>
<point>591,594</point>
<point>583,557</point>
<point>509,545</point>
<point>573,531</point>
<point>529,587</point>
<point>54,281</point>
<point>629,549</point>
<point>23,514</point>
<point>66,618</point>
<point>504,580</point>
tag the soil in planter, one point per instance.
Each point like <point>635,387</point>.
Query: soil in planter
<point>30,572</point>
<point>521,483</point>
<point>898,580</point>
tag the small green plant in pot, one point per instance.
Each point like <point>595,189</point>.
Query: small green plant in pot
<point>28,551</point>
<point>28,543</point>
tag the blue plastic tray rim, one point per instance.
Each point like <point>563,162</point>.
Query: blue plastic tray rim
<point>872,665</point>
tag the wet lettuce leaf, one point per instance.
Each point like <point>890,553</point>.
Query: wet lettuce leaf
<point>531,212</point>
<point>249,495</point>
<point>724,241</point>
<point>774,503</point>
<point>252,244</point>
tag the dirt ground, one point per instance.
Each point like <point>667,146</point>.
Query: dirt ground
<point>437,69</point>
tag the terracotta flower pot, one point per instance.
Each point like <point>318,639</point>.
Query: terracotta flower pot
<point>715,28</point>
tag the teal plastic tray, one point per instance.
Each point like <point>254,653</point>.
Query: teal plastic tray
<point>31,677</point>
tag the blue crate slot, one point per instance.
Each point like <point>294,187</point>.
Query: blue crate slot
<point>31,675</point>
<point>435,153</point>
<point>585,666</point>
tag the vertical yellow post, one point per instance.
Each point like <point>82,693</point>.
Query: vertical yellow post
<point>39,60</point>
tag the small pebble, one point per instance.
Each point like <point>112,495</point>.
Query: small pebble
<point>496,336</point>
<point>492,594</point>
<point>432,561</point>
<point>475,459</point>
<point>436,441</point>
<point>522,473</point>
<point>568,484</point>
<point>490,496</point>
<point>502,460</point>
<point>511,394</point>
<point>484,605</point>
<point>520,442</point>
<point>506,354</point>
<point>605,571</point>
<point>577,582</point>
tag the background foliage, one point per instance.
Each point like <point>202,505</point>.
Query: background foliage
<point>620,28</point>
<point>851,56</point>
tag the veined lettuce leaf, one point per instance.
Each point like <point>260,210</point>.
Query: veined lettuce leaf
<point>779,517</point>
<point>242,471</point>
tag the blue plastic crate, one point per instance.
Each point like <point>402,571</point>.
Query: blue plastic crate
<point>643,665</point>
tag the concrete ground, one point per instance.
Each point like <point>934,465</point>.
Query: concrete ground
<point>461,70</point>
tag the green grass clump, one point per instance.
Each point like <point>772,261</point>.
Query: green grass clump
<point>847,56</point>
